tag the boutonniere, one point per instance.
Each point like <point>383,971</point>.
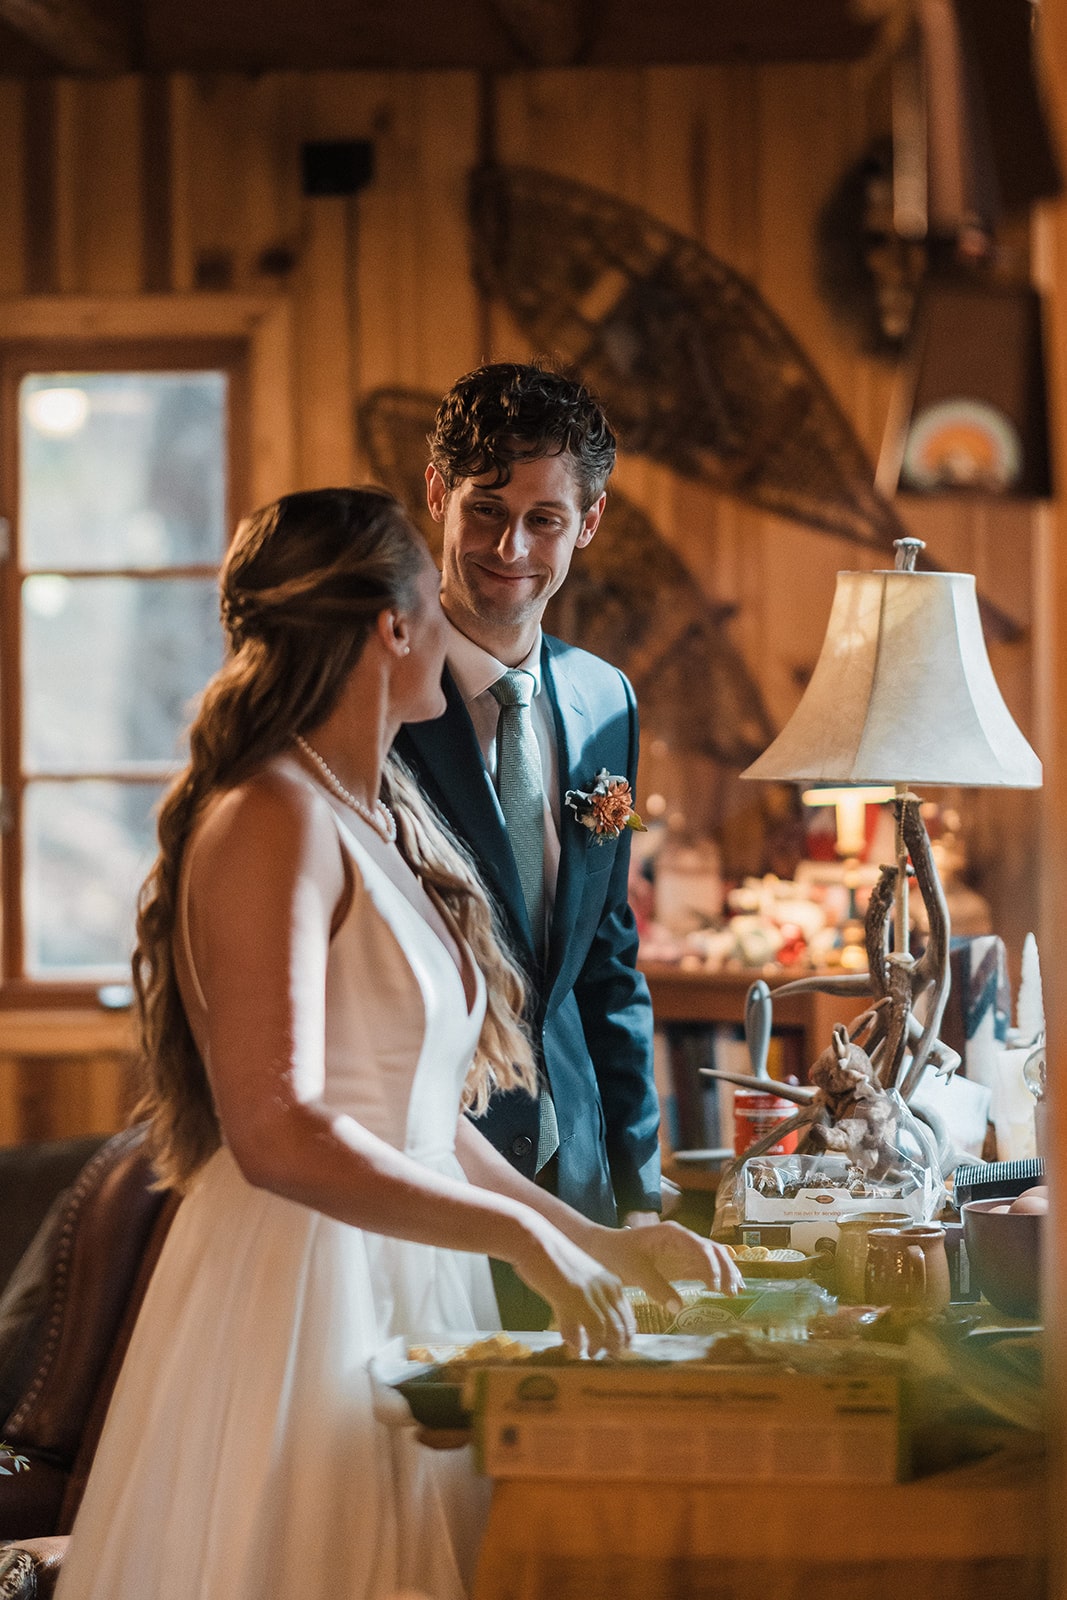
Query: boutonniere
<point>607,808</point>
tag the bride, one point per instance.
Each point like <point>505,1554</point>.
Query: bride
<point>321,996</point>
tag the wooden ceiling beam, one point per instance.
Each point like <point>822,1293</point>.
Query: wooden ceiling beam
<point>548,33</point>
<point>70,34</point>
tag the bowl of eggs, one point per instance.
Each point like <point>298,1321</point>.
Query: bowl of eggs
<point>1003,1239</point>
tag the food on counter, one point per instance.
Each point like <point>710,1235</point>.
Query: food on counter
<point>495,1347</point>
<point>760,1252</point>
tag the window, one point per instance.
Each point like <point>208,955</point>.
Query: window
<point>123,476</point>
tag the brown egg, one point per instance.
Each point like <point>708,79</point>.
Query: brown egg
<point>1031,1202</point>
<point>1001,1209</point>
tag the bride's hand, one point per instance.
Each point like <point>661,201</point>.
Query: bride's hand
<point>650,1257</point>
<point>590,1305</point>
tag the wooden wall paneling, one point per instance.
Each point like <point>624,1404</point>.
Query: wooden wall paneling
<point>447,113</point>
<point>946,523</point>
<point>273,401</point>
<point>68,237</point>
<point>671,178</point>
<point>305,241</point>
<point>63,1073</point>
<point>387,351</point>
<point>10,1118</point>
<point>234,178</point>
<point>402,155</point>
<point>566,122</point>
<point>686,141</point>
<point>333,106</point>
<point>223,147</point>
<point>415,310</point>
<point>865,110</point>
<point>12,235</point>
<point>156,183</point>
<point>105,193</point>
<point>805,151</point>
<point>182,98</point>
<point>586,126</point>
<point>348,105</point>
<point>729,529</point>
<point>735,172</point>
<point>37,138</point>
<point>806,146</point>
<point>277,116</point>
<point>323,311</point>
<point>61,1097</point>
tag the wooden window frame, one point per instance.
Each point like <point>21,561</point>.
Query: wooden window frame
<point>248,336</point>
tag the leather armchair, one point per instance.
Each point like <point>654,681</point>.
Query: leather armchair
<point>100,1252</point>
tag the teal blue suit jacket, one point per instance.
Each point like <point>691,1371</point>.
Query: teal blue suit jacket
<point>589,1006</point>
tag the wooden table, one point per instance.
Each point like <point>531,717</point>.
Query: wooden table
<point>805,1021</point>
<point>976,1533</point>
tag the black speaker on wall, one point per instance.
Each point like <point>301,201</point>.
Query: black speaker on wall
<point>336,166</point>
<point>969,413</point>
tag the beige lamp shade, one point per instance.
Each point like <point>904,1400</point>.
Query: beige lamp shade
<point>902,693</point>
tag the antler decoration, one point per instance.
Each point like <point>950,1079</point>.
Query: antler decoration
<point>847,1106</point>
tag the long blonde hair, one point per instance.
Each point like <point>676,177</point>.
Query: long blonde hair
<point>301,587</point>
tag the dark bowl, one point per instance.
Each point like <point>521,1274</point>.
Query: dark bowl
<point>1004,1251</point>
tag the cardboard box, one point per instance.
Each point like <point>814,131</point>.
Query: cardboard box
<point>688,1424</point>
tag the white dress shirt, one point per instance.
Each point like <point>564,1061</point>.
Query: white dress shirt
<point>475,671</point>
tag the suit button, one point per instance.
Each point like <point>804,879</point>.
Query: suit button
<point>521,1145</point>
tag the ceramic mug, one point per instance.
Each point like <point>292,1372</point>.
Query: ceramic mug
<point>908,1267</point>
<point>850,1258</point>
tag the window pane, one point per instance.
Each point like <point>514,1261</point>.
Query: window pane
<point>110,666</point>
<point>122,469</point>
<point>88,848</point>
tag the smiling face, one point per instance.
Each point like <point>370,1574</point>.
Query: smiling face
<point>508,549</point>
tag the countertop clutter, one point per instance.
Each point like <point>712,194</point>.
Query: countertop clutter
<point>721,1454</point>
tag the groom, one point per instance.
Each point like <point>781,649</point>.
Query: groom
<point>519,461</point>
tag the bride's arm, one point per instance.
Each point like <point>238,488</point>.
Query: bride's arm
<point>268,882</point>
<point>648,1257</point>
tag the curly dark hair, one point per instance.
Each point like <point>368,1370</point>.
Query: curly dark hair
<point>508,412</point>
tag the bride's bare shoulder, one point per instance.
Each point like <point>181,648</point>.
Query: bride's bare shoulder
<point>274,814</point>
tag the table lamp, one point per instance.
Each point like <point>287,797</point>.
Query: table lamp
<point>903,695</point>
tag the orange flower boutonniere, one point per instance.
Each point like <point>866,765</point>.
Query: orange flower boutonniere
<point>605,809</point>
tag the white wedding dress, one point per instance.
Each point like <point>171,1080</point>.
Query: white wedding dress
<point>246,1454</point>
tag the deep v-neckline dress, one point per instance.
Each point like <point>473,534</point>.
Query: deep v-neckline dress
<point>246,1454</point>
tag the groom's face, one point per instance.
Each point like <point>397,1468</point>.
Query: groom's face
<point>508,549</point>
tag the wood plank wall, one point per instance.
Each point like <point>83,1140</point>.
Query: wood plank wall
<point>149,185</point>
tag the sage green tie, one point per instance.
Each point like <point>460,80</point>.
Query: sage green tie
<point>520,786</point>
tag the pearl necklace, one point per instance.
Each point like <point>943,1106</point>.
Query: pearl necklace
<point>379,817</point>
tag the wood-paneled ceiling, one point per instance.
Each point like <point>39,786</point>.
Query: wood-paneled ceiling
<point>107,36</point>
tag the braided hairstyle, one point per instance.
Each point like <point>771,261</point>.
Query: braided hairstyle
<point>301,588</point>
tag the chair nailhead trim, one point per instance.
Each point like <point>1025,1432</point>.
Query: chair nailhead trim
<point>85,1184</point>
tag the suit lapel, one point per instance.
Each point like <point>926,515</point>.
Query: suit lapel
<point>573,724</point>
<point>454,775</point>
